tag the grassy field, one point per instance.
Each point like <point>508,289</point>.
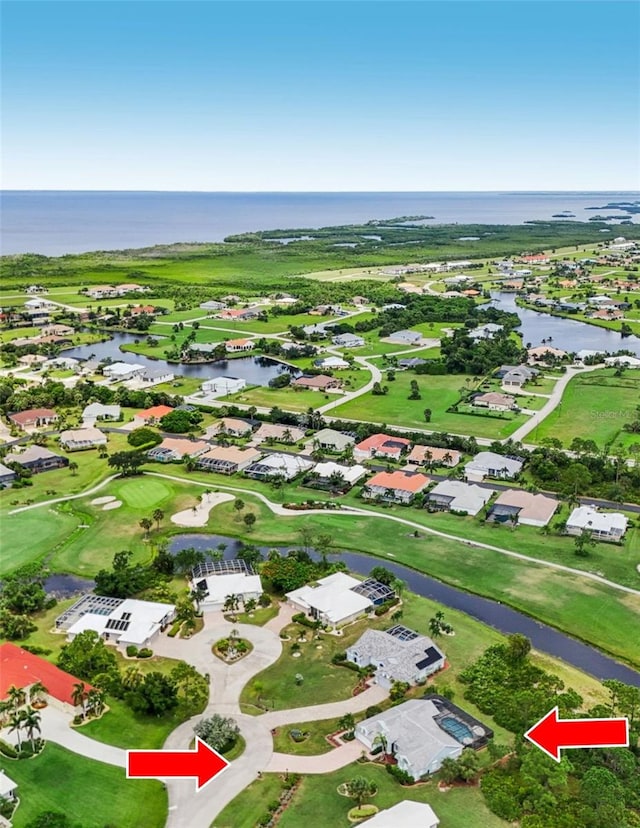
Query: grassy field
<point>595,406</point>
<point>438,394</point>
<point>90,793</point>
<point>318,803</point>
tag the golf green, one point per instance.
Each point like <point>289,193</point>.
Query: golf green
<point>144,493</point>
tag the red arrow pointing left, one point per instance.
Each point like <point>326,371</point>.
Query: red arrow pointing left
<point>203,763</point>
<point>552,733</point>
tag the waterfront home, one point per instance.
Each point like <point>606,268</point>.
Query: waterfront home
<point>37,459</point>
<point>336,599</point>
<point>488,331</point>
<point>35,361</point>
<point>156,376</point>
<point>57,330</point>
<point>228,459</point>
<point>331,363</point>
<point>33,418</point>
<point>398,654</point>
<point>602,526</point>
<point>78,439</point>
<point>174,449</point>
<point>545,353</point>
<point>98,411</point>
<point>277,433</point>
<point>494,401</point>
<point>121,371</point>
<point>331,440</point>
<point>623,359</point>
<point>396,486</point>
<point>518,506</point>
<point>238,314</point>
<point>235,345</point>
<point>516,377</point>
<point>381,445</point>
<point>609,314</point>
<point>490,464</point>
<point>121,621</point>
<point>319,382</point>
<point>62,363</point>
<point>434,456</point>
<point>348,340</point>
<point>459,497</point>
<point>214,581</point>
<point>221,386</point>
<point>286,466</point>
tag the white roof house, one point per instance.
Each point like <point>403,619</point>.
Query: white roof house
<point>337,363</point>
<point>279,465</point>
<point>219,585</point>
<point>351,474</point>
<point>398,654</point>
<point>348,340</point>
<point>220,386</point>
<point>123,621</point>
<point>119,371</point>
<point>7,786</point>
<point>332,600</point>
<point>490,464</point>
<point>487,331</point>
<point>76,439</point>
<point>406,337</point>
<point>329,438</point>
<point>625,359</point>
<point>601,525</point>
<point>408,814</point>
<point>98,411</point>
<point>419,744</point>
<point>456,496</point>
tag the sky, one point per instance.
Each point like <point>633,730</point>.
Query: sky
<point>303,95</point>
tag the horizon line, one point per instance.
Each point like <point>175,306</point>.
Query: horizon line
<point>311,192</point>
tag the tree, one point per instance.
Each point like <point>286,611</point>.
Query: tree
<point>144,436</point>
<point>249,520</point>
<point>231,603</point>
<point>250,555</point>
<point>438,626</point>
<point>238,505</point>
<point>287,573</point>
<point>155,695</point>
<point>427,415</point>
<point>126,462</point>
<point>73,468</point>
<point>15,627</point>
<point>16,697</point>
<point>179,422</point>
<point>398,690</point>
<point>37,691</point>
<point>87,656</point>
<point>218,732</point>
<point>158,516</point>
<point>360,788</point>
<point>380,573</point>
<point>31,723</point>
<point>79,694</point>
<point>164,561</point>
<point>583,543</point>
<point>250,604</point>
<point>95,701</point>
<point>146,524</point>
<point>347,722</point>
<point>518,647</point>
<point>187,559</point>
<point>15,725</point>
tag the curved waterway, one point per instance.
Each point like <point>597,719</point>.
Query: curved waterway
<point>496,615</point>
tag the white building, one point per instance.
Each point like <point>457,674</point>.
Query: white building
<point>221,386</point>
<point>628,361</point>
<point>332,363</point>
<point>217,580</point>
<point>77,439</point>
<point>98,411</point>
<point>605,526</point>
<point>398,654</point>
<point>456,496</point>
<point>332,600</point>
<point>121,371</point>
<point>485,331</point>
<point>287,466</point>
<point>350,474</point>
<point>212,305</point>
<point>406,337</point>
<point>7,787</point>
<point>119,621</point>
<point>156,376</point>
<point>407,814</point>
<point>490,464</point>
<point>348,340</point>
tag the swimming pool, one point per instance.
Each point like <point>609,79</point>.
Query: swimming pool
<point>454,727</point>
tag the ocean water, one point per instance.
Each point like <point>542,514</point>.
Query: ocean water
<point>56,223</point>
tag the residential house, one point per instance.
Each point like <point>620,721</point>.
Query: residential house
<point>323,473</point>
<point>396,486</point>
<point>232,426</point>
<point>39,304</point>
<point>319,330</point>
<point>545,353</point>
<point>407,813</point>
<point>221,386</point>
<point>518,506</point>
<point>98,411</point>
<point>406,337</point>
<point>156,376</point>
<point>20,668</point>
<point>35,361</point>
<point>228,459</point>
<point>34,418</point>
<point>490,464</point>
<point>331,363</point>
<point>62,363</point>
<point>329,439</point>
<point>152,416</point>
<point>278,433</point>
<point>381,445</point>
<point>7,788</point>
<point>610,314</point>
<point>488,331</point>
<point>77,439</point>
<point>37,459</point>
<point>286,466</point>
<point>139,310</point>
<point>130,287</point>
<point>238,314</point>
<point>456,496</point>
<point>494,401</point>
<point>57,330</point>
<point>623,359</point>
<point>348,340</point>
<point>215,581</point>
<point>7,476</point>
<point>339,599</point>
<point>517,377</point>
<point>602,526</point>
<point>121,621</point>
<point>235,345</point>
<point>434,456</point>
<point>413,362</point>
<point>175,449</point>
<point>319,382</point>
<point>102,292</point>
<point>121,371</point>
<point>212,305</point>
<point>398,654</point>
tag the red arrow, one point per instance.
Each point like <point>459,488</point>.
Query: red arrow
<point>551,733</point>
<point>203,763</point>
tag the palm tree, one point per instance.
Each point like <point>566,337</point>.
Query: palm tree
<point>5,707</point>
<point>158,516</point>
<point>37,691</point>
<point>231,603</point>
<point>16,697</point>
<point>79,694</point>
<point>146,524</point>
<point>31,723</point>
<point>73,468</point>
<point>95,701</point>
<point>131,678</point>
<point>250,604</point>
<point>15,723</point>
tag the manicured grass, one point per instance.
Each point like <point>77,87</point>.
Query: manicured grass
<point>259,616</point>
<point>88,792</point>
<point>314,744</point>
<point>595,406</point>
<point>247,808</point>
<point>438,394</point>
<point>28,536</point>
<point>144,493</point>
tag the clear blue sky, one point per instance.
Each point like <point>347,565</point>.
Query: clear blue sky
<point>321,95</point>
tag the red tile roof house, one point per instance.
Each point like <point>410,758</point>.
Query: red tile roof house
<point>432,455</point>
<point>34,417</point>
<point>321,382</point>
<point>233,345</point>
<point>381,445</point>
<point>152,415</point>
<point>397,486</point>
<point>21,669</point>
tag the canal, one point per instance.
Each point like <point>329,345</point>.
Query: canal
<point>493,613</point>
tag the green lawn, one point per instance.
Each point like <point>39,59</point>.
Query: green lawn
<point>314,744</point>
<point>90,793</point>
<point>595,406</point>
<point>438,394</point>
<point>318,803</point>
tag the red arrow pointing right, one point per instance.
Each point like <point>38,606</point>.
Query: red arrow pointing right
<point>203,763</point>
<point>551,733</point>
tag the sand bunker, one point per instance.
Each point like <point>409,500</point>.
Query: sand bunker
<point>98,501</point>
<point>114,504</point>
<point>199,515</point>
